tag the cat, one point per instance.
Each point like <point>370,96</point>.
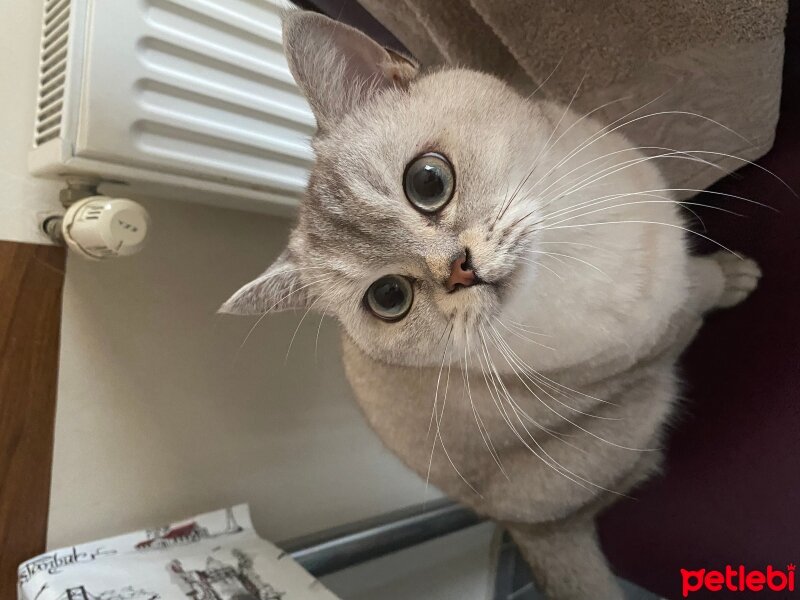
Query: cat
<point>513,283</point>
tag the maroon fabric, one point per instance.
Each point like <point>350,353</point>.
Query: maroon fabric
<point>731,491</point>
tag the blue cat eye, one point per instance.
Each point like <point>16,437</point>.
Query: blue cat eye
<point>429,182</point>
<point>390,297</point>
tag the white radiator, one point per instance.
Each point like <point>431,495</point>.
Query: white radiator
<point>190,98</point>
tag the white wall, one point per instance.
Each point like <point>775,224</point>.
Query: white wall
<point>22,198</point>
<point>162,413</point>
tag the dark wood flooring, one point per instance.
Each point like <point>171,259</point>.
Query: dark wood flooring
<point>31,281</point>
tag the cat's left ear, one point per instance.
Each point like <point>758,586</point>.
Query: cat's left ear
<point>279,288</point>
<point>337,66</point>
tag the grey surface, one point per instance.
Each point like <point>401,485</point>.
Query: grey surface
<point>355,543</point>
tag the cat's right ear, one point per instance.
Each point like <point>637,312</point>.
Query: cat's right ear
<point>279,288</point>
<point>336,66</point>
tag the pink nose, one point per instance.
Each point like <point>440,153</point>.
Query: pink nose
<point>461,273</point>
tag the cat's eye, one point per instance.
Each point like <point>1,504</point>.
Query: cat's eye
<point>390,297</point>
<point>429,182</point>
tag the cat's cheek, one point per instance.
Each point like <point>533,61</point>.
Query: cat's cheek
<point>518,289</point>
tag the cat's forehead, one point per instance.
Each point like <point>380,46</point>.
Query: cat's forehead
<point>454,111</point>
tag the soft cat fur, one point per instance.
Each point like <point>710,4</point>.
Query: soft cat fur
<point>540,397</point>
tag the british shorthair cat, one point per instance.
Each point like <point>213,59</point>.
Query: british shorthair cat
<point>513,284</point>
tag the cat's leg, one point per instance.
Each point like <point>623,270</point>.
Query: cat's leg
<point>720,280</point>
<point>566,559</point>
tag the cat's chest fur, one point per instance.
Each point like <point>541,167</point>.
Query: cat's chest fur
<point>517,451</point>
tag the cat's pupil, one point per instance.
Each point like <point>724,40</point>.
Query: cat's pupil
<point>389,295</point>
<point>428,182</point>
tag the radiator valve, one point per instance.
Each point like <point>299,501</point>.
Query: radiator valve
<point>99,227</point>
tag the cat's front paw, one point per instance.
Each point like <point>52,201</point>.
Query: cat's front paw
<point>741,278</point>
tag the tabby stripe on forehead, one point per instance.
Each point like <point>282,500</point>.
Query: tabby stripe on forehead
<point>380,187</point>
<point>340,182</point>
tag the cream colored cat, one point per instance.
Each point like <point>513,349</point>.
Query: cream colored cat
<point>513,285</point>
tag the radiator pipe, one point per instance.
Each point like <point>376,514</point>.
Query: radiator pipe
<point>354,543</point>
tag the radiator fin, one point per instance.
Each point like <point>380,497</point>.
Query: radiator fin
<point>52,70</point>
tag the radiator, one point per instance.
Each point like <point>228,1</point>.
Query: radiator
<point>187,98</point>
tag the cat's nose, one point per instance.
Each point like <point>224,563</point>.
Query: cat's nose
<point>461,273</point>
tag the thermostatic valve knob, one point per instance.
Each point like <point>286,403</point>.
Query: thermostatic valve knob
<point>100,227</point>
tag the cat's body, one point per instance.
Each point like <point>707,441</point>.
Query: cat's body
<point>540,395</point>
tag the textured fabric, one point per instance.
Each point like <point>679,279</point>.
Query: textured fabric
<point>721,60</point>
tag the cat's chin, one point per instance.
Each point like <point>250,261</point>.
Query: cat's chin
<point>467,305</point>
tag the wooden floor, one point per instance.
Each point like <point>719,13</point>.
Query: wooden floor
<point>31,281</point>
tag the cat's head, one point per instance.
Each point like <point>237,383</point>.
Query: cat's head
<point>405,234</point>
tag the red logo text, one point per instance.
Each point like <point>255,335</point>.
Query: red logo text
<point>738,580</point>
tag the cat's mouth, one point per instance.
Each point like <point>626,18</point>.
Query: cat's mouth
<point>477,280</point>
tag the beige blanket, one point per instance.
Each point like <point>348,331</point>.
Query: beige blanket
<point>721,59</point>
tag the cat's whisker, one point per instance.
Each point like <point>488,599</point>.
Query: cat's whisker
<point>319,327</point>
<point>303,318</point>
<point>560,468</point>
<point>539,264</point>
<point>589,141</point>
<point>592,178</point>
<point>482,429</point>
<point>449,330</point>
<point>628,164</point>
<point>437,416</point>
<point>592,184</point>
<point>574,244</point>
<point>598,200</point>
<point>633,221</point>
<point>512,359</point>
<point>556,384</point>
<point>576,425</point>
<point>599,174</point>
<point>549,146</point>
<point>523,337</point>
<point>495,374</point>
<point>665,201</point>
<point>497,399</point>
<point>550,462</point>
<point>546,79</point>
<point>614,127</point>
<point>441,439</point>
<point>278,302</point>
<point>526,328</point>
<point>752,164</point>
<point>544,148</point>
<point>557,255</point>
<point>494,392</point>
<point>433,410</point>
<point>661,200</point>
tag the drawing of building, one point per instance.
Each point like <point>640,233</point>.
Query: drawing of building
<point>128,593</point>
<point>165,537</point>
<point>220,581</point>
